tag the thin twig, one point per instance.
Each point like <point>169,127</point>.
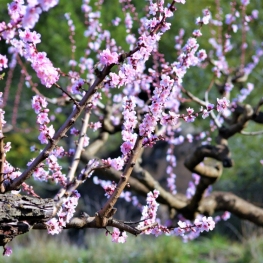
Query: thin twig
<point>2,156</point>
<point>251,133</point>
<point>106,210</point>
<point>79,149</point>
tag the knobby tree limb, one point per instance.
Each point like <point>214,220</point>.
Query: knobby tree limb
<point>19,214</point>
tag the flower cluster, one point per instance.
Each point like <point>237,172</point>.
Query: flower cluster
<point>39,104</point>
<point>56,170</point>
<point>116,163</point>
<point>205,19</point>
<point>244,92</point>
<point>28,14</point>
<point>26,47</point>
<point>171,160</point>
<point>190,231</point>
<point>109,189</point>
<point>149,212</point>
<point>7,251</point>
<point>222,105</point>
<point>118,236</point>
<point>77,86</point>
<point>161,94</point>
<point>65,213</point>
<point>225,216</point>
<point>3,62</point>
<point>107,57</point>
<point>190,191</point>
<point>130,122</point>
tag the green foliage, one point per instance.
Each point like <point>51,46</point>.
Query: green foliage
<point>42,249</point>
<point>20,154</point>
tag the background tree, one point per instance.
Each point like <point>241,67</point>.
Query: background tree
<point>121,87</point>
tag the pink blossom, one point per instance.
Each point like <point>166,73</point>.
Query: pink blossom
<point>128,22</point>
<point>117,236</point>
<point>205,224</point>
<point>254,14</point>
<point>107,57</point>
<point>33,148</point>
<point>116,21</point>
<point>197,33</point>
<point>31,37</point>
<point>226,215</point>
<point>31,16</point>
<point>245,2</point>
<point>149,211</point>
<point>47,4</point>
<point>74,131</point>
<point>7,251</point>
<point>77,86</point>
<point>46,133</point>
<point>222,104</point>
<point>95,125</point>
<point>53,226</point>
<point>3,62</point>
<point>47,74</point>
<point>86,141</point>
<point>190,190</point>
<point>205,114</point>
<point>130,39</point>
<point>68,208</point>
<point>40,174</point>
<point>201,54</point>
<point>42,117</point>
<point>16,10</point>
<point>116,163</point>
<point>190,111</point>
<point>153,8</point>
<point>126,147</point>
<point>7,147</point>
<point>58,151</point>
<point>189,118</point>
<point>210,106</point>
<point>109,188</point>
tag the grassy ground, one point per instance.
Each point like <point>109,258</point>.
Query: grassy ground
<point>38,248</point>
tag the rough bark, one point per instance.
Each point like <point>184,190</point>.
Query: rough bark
<point>19,213</point>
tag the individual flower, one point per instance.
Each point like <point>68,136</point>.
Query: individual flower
<point>222,104</point>
<point>42,117</point>
<point>116,163</point>
<point>3,62</point>
<point>77,86</point>
<point>226,215</point>
<point>245,2</point>
<point>47,4</point>
<point>107,57</point>
<point>30,37</point>
<point>7,251</point>
<point>53,226</point>
<point>46,133</point>
<point>117,236</point>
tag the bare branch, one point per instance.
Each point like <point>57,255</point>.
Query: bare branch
<point>79,149</point>
<point>2,156</point>
<point>105,211</point>
<point>252,133</point>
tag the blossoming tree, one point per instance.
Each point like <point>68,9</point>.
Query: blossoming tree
<point>136,93</point>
